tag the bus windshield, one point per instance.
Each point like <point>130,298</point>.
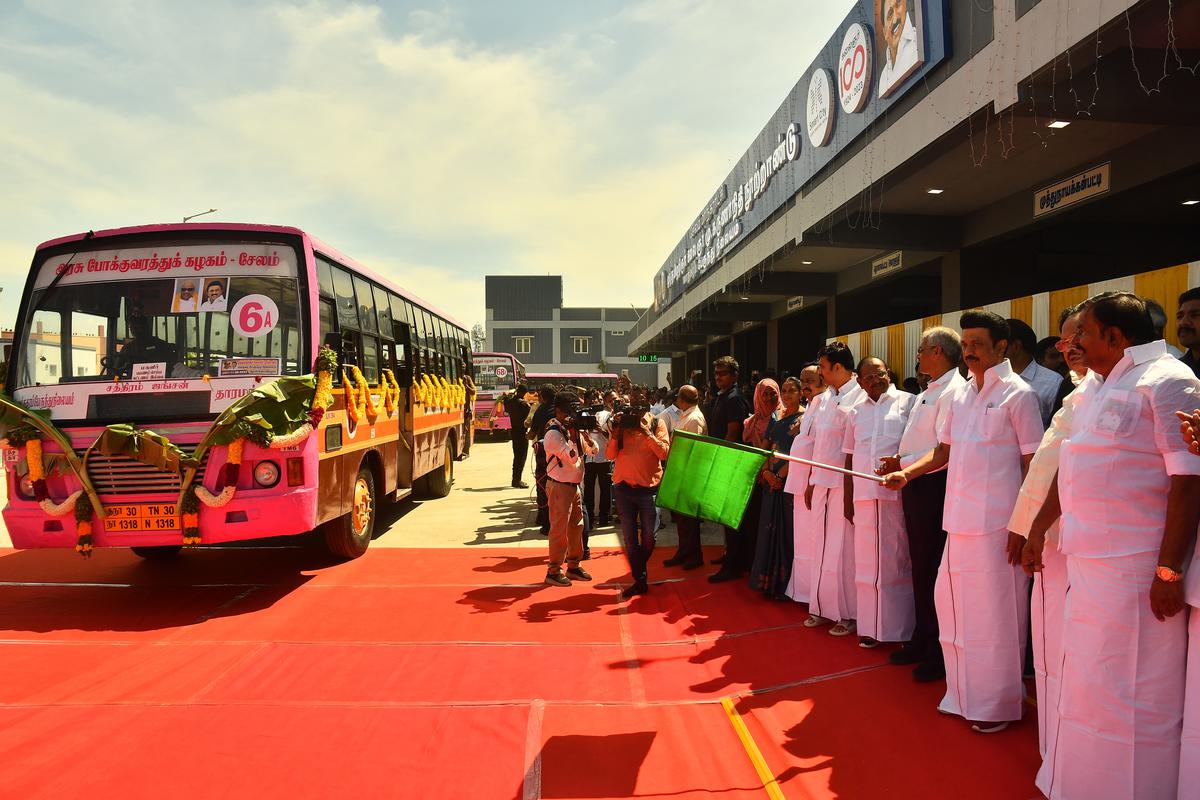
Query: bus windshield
<point>141,317</point>
<point>494,373</point>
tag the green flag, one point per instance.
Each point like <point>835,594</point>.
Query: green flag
<point>709,478</point>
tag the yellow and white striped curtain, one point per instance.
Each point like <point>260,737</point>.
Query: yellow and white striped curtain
<point>897,344</point>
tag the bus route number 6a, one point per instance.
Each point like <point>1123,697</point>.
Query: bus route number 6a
<point>254,315</point>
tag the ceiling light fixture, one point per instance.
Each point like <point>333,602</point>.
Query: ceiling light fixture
<point>1190,202</point>
<point>1058,124</point>
<point>745,296</point>
<point>934,191</point>
<point>806,263</point>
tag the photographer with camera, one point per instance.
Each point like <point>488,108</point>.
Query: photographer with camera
<point>597,470</point>
<point>564,446</point>
<point>637,447</point>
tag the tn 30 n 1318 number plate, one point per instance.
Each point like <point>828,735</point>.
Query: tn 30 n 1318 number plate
<point>150,517</point>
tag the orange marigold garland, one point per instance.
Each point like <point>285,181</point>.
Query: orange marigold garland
<point>229,478</point>
<point>190,509</point>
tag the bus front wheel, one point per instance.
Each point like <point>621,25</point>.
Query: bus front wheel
<point>349,535</point>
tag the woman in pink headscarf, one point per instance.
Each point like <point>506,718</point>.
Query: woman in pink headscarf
<point>766,410</point>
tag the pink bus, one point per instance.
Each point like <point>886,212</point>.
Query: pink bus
<point>583,380</point>
<point>130,343</point>
<point>495,374</point>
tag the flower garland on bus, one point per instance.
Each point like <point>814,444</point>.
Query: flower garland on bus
<point>391,391</point>
<point>235,420</point>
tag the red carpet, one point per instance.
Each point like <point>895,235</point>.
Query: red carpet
<point>449,673</point>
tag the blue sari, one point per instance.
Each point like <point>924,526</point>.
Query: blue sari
<point>772,567</point>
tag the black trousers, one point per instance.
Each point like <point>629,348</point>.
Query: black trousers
<point>924,499</point>
<point>520,454</point>
<point>741,543</point>
<point>689,538</point>
<point>593,474</point>
<point>539,479</point>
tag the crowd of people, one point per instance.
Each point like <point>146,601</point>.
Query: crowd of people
<point>1064,471</point>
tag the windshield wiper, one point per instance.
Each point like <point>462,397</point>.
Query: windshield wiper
<point>66,267</point>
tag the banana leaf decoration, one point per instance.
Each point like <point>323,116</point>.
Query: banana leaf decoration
<point>146,446</point>
<point>14,415</point>
<point>274,409</point>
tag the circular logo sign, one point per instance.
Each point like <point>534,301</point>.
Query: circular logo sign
<point>254,315</point>
<point>501,372</point>
<point>854,69</point>
<point>820,108</point>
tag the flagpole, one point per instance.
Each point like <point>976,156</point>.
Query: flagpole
<point>829,467</point>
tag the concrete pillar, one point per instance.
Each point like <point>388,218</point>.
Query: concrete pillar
<point>952,281</point>
<point>773,345</point>
<point>831,317</point>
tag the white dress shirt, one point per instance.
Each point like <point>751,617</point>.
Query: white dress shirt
<point>669,417</point>
<point>802,447</point>
<point>1046,383</point>
<point>1043,468</point>
<point>908,55</point>
<point>829,429</point>
<point>564,457</point>
<point>1124,446</point>
<point>873,431</point>
<point>600,437</point>
<point>988,431</point>
<point>692,421</point>
<point>927,417</point>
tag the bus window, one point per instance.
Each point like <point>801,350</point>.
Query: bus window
<point>384,310</point>
<point>326,312</point>
<point>366,306</point>
<point>343,284</point>
<point>402,351</point>
<point>325,278</point>
<point>370,358</point>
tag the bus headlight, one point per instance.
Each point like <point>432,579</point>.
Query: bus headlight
<point>266,474</point>
<point>25,487</point>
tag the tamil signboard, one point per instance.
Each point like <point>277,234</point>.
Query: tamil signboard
<point>881,50</point>
<point>889,263</point>
<point>1075,189</point>
<point>795,303</point>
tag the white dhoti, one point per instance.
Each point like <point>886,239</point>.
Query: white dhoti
<point>982,606</point>
<point>831,591</point>
<point>1122,687</point>
<point>1189,752</point>
<point>1046,618</point>
<point>883,571</point>
<point>802,542</point>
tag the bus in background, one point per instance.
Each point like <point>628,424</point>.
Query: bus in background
<point>583,380</point>
<point>166,326</point>
<point>495,374</point>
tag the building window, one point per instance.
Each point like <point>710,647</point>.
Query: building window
<point>618,333</point>
<point>581,344</point>
<point>522,345</point>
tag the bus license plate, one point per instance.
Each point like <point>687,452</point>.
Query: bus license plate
<point>139,518</point>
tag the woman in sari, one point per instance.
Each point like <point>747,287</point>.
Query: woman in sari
<point>773,556</point>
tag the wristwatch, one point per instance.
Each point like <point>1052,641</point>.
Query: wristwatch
<point>1167,575</point>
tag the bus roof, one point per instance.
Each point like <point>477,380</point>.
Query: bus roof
<point>287,230</point>
<point>488,353</point>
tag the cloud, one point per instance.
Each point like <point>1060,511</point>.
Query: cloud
<point>412,136</point>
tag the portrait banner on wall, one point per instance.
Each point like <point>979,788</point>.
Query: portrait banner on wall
<point>900,42</point>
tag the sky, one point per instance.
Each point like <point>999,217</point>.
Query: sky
<point>435,142</point>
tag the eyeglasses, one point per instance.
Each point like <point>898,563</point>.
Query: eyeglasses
<point>186,289</point>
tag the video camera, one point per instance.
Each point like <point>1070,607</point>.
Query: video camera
<point>584,419</point>
<point>631,415</point>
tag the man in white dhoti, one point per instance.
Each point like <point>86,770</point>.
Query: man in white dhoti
<point>883,571</point>
<point>1050,581</point>
<point>1128,490</point>
<point>831,592</point>
<point>992,429</point>
<point>812,389</point>
<point>924,498</point>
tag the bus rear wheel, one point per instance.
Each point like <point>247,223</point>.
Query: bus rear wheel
<point>164,552</point>
<point>438,482</point>
<point>349,535</point>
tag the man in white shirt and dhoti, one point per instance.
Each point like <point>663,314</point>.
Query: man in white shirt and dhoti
<point>992,429</point>
<point>924,498</point>
<point>812,389</point>
<point>1128,490</point>
<point>1033,515</point>
<point>831,591</point>
<point>883,571</point>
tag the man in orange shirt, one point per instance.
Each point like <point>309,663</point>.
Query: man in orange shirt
<point>637,447</point>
